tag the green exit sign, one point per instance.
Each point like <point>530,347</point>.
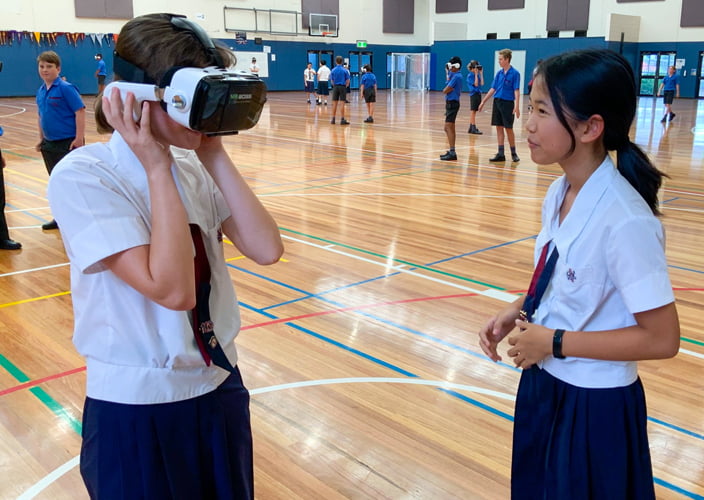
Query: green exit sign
<point>361,44</point>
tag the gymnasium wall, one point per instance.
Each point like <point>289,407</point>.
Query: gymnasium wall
<point>444,35</point>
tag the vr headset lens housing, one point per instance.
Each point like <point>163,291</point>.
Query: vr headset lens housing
<point>213,101</point>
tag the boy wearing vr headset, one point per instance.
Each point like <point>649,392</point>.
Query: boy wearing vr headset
<point>166,412</point>
<point>452,91</point>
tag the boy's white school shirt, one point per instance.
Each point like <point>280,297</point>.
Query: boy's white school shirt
<point>137,351</point>
<point>611,265</point>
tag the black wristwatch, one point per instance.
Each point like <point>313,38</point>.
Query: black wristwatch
<point>557,344</point>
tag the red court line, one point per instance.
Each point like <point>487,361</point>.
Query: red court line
<point>355,308</point>
<point>294,318</point>
<point>33,383</point>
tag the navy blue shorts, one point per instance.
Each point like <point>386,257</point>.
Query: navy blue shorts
<point>577,443</point>
<point>310,87</point>
<point>668,96</point>
<point>197,448</point>
<point>502,113</point>
<point>323,87</point>
<point>451,109</point>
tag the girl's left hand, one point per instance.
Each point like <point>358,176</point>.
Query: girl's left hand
<point>531,345</point>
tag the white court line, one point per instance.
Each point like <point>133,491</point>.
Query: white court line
<point>46,481</point>
<point>31,209</point>
<point>34,269</point>
<point>21,110</point>
<point>399,267</point>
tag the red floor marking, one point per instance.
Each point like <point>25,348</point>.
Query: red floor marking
<point>33,383</point>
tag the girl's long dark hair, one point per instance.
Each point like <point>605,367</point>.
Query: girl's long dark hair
<point>590,82</point>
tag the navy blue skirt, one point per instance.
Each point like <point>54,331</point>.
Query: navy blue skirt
<point>577,443</point>
<point>200,448</point>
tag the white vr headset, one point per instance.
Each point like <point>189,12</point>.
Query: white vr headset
<point>209,100</point>
<point>452,65</point>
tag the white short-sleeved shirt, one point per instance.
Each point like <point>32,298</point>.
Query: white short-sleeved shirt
<point>136,351</point>
<point>323,74</point>
<point>611,265</point>
<point>309,74</point>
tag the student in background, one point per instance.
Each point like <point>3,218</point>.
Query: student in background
<point>671,85</point>
<point>166,413</point>
<point>475,81</point>
<point>254,67</point>
<point>452,91</point>
<point>507,104</point>
<point>600,302</point>
<point>309,81</point>
<point>5,242</point>
<point>367,89</point>
<point>323,77</point>
<point>62,116</point>
<point>101,72</point>
<point>340,79</point>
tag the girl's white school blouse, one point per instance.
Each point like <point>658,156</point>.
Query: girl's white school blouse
<point>611,265</point>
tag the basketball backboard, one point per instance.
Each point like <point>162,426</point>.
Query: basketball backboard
<point>323,25</point>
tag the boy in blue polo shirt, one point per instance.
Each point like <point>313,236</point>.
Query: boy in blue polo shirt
<point>670,84</point>
<point>62,115</point>
<point>452,91</point>
<point>506,86</point>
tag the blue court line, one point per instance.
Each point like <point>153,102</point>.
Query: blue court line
<point>452,393</point>
<point>681,491</point>
<point>430,338</point>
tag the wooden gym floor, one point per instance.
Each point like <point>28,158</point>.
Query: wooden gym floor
<point>360,348</point>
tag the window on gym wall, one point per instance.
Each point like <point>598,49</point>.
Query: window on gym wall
<point>653,67</point>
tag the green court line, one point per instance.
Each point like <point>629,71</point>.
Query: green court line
<point>692,341</point>
<point>42,395</point>
<point>400,261</point>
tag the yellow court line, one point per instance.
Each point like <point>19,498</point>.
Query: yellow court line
<point>17,172</point>
<point>34,299</point>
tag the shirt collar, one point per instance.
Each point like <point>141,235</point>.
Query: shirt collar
<point>583,207</point>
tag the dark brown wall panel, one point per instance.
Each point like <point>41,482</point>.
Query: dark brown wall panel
<point>398,16</point>
<point>506,4</point>
<point>104,9</point>
<point>445,6</point>
<point>692,14</point>
<point>564,15</point>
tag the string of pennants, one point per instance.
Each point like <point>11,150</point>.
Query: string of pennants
<point>52,38</point>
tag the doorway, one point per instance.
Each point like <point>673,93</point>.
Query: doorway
<point>315,56</point>
<point>357,60</point>
<point>653,67</point>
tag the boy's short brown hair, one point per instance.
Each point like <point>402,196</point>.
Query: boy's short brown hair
<point>50,57</point>
<point>506,54</point>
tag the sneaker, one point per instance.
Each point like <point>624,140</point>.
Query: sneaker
<point>672,116</point>
<point>308,101</point>
<point>369,119</point>
<point>450,155</point>
<point>474,130</point>
<point>326,103</point>
<point>47,226</point>
<point>515,158</point>
<point>332,122</point>
<point>498,157</point>
<point>664,119</point>
<point>318,103</point>
<point>344,122</point>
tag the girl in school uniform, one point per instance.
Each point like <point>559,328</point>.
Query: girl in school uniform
<point>580,417</point>
<point>163,417</point>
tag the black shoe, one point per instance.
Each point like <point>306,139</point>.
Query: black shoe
<point>326,103</point>
<point>344,122</point>
<point>664,119</point>
<point>369,119</point>
<point>308,101</point>
<point>50,225</point>
<point>332,122</point>
<point>10,245</point>
<point>450,155</point>
<point>318,103</point>
<point>672,116</point>
<point>515,158</point>
<point>474,130</point>
<point>346,101</point>
<point>498,157</point>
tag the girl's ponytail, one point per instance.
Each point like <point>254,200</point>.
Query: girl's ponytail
<point>639,171</point>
